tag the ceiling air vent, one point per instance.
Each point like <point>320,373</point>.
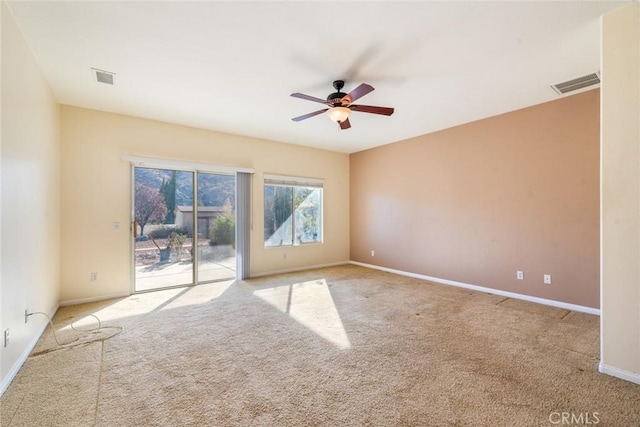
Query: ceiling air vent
<point>103,76</point>
<point>576,84</point>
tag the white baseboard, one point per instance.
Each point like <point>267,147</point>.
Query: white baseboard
<point>94,299</point>
<point>619,373</point>
<point>559,304</point>
<point>267,273</point>
<point>293,270</point>
<point>6,381</point>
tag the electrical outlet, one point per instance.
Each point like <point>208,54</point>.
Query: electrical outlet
<point>520,275</point>
<point>26,315</point>
<point>284,255</point>
<point>373,253</point>
<point>547,279</point>
<point>94,277</point>
<point>6,337</point>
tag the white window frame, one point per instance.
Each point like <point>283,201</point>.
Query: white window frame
<point>293,181</point>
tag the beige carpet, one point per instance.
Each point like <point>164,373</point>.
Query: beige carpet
<point>344,346</point>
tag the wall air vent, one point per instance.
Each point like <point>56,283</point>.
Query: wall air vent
<point>576,84</point>
<point>102,76</point>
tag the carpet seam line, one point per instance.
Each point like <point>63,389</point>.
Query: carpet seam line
<point>95,412</point>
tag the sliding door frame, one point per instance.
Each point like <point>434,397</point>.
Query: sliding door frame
<point>242,211</point>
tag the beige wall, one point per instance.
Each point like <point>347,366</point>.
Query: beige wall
<point>620,319</point>
<point>30,156</point>
<point>96,186</point>
<point>477,202</point>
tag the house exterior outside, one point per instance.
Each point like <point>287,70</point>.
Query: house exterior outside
<point>206,216</point>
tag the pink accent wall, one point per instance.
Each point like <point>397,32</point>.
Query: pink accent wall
<point>477,202</point>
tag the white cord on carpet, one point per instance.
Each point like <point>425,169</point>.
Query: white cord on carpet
<point>119,329</point>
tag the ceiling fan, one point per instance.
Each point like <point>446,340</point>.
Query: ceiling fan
<point>340,104</point>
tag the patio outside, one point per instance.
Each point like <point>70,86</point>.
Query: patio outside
<point>153,270</point>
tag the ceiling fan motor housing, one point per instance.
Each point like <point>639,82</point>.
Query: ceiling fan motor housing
<point>335,98</point>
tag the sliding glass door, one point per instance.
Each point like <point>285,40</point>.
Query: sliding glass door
<point>176,212</point>
<point>163,223</point>
<point>216,236</point>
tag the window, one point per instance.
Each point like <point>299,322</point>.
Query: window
<point>292,211</point>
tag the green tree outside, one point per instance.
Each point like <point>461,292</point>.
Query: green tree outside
<point>168,190</point>
<point>223,230</point>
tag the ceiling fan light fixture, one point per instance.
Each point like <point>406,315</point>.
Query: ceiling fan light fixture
<point>339,114</point>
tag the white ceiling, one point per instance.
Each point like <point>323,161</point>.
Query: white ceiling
<point>230,66</point>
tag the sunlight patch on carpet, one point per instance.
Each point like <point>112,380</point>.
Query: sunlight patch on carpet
<point>139,304</point>
<point>310,304</point>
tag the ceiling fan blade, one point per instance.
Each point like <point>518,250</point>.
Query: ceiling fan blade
<point>359,92</point>
<point>345,124</point>
<point>306,116</point>
<point>385,111</point>
<point>308,97</point>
